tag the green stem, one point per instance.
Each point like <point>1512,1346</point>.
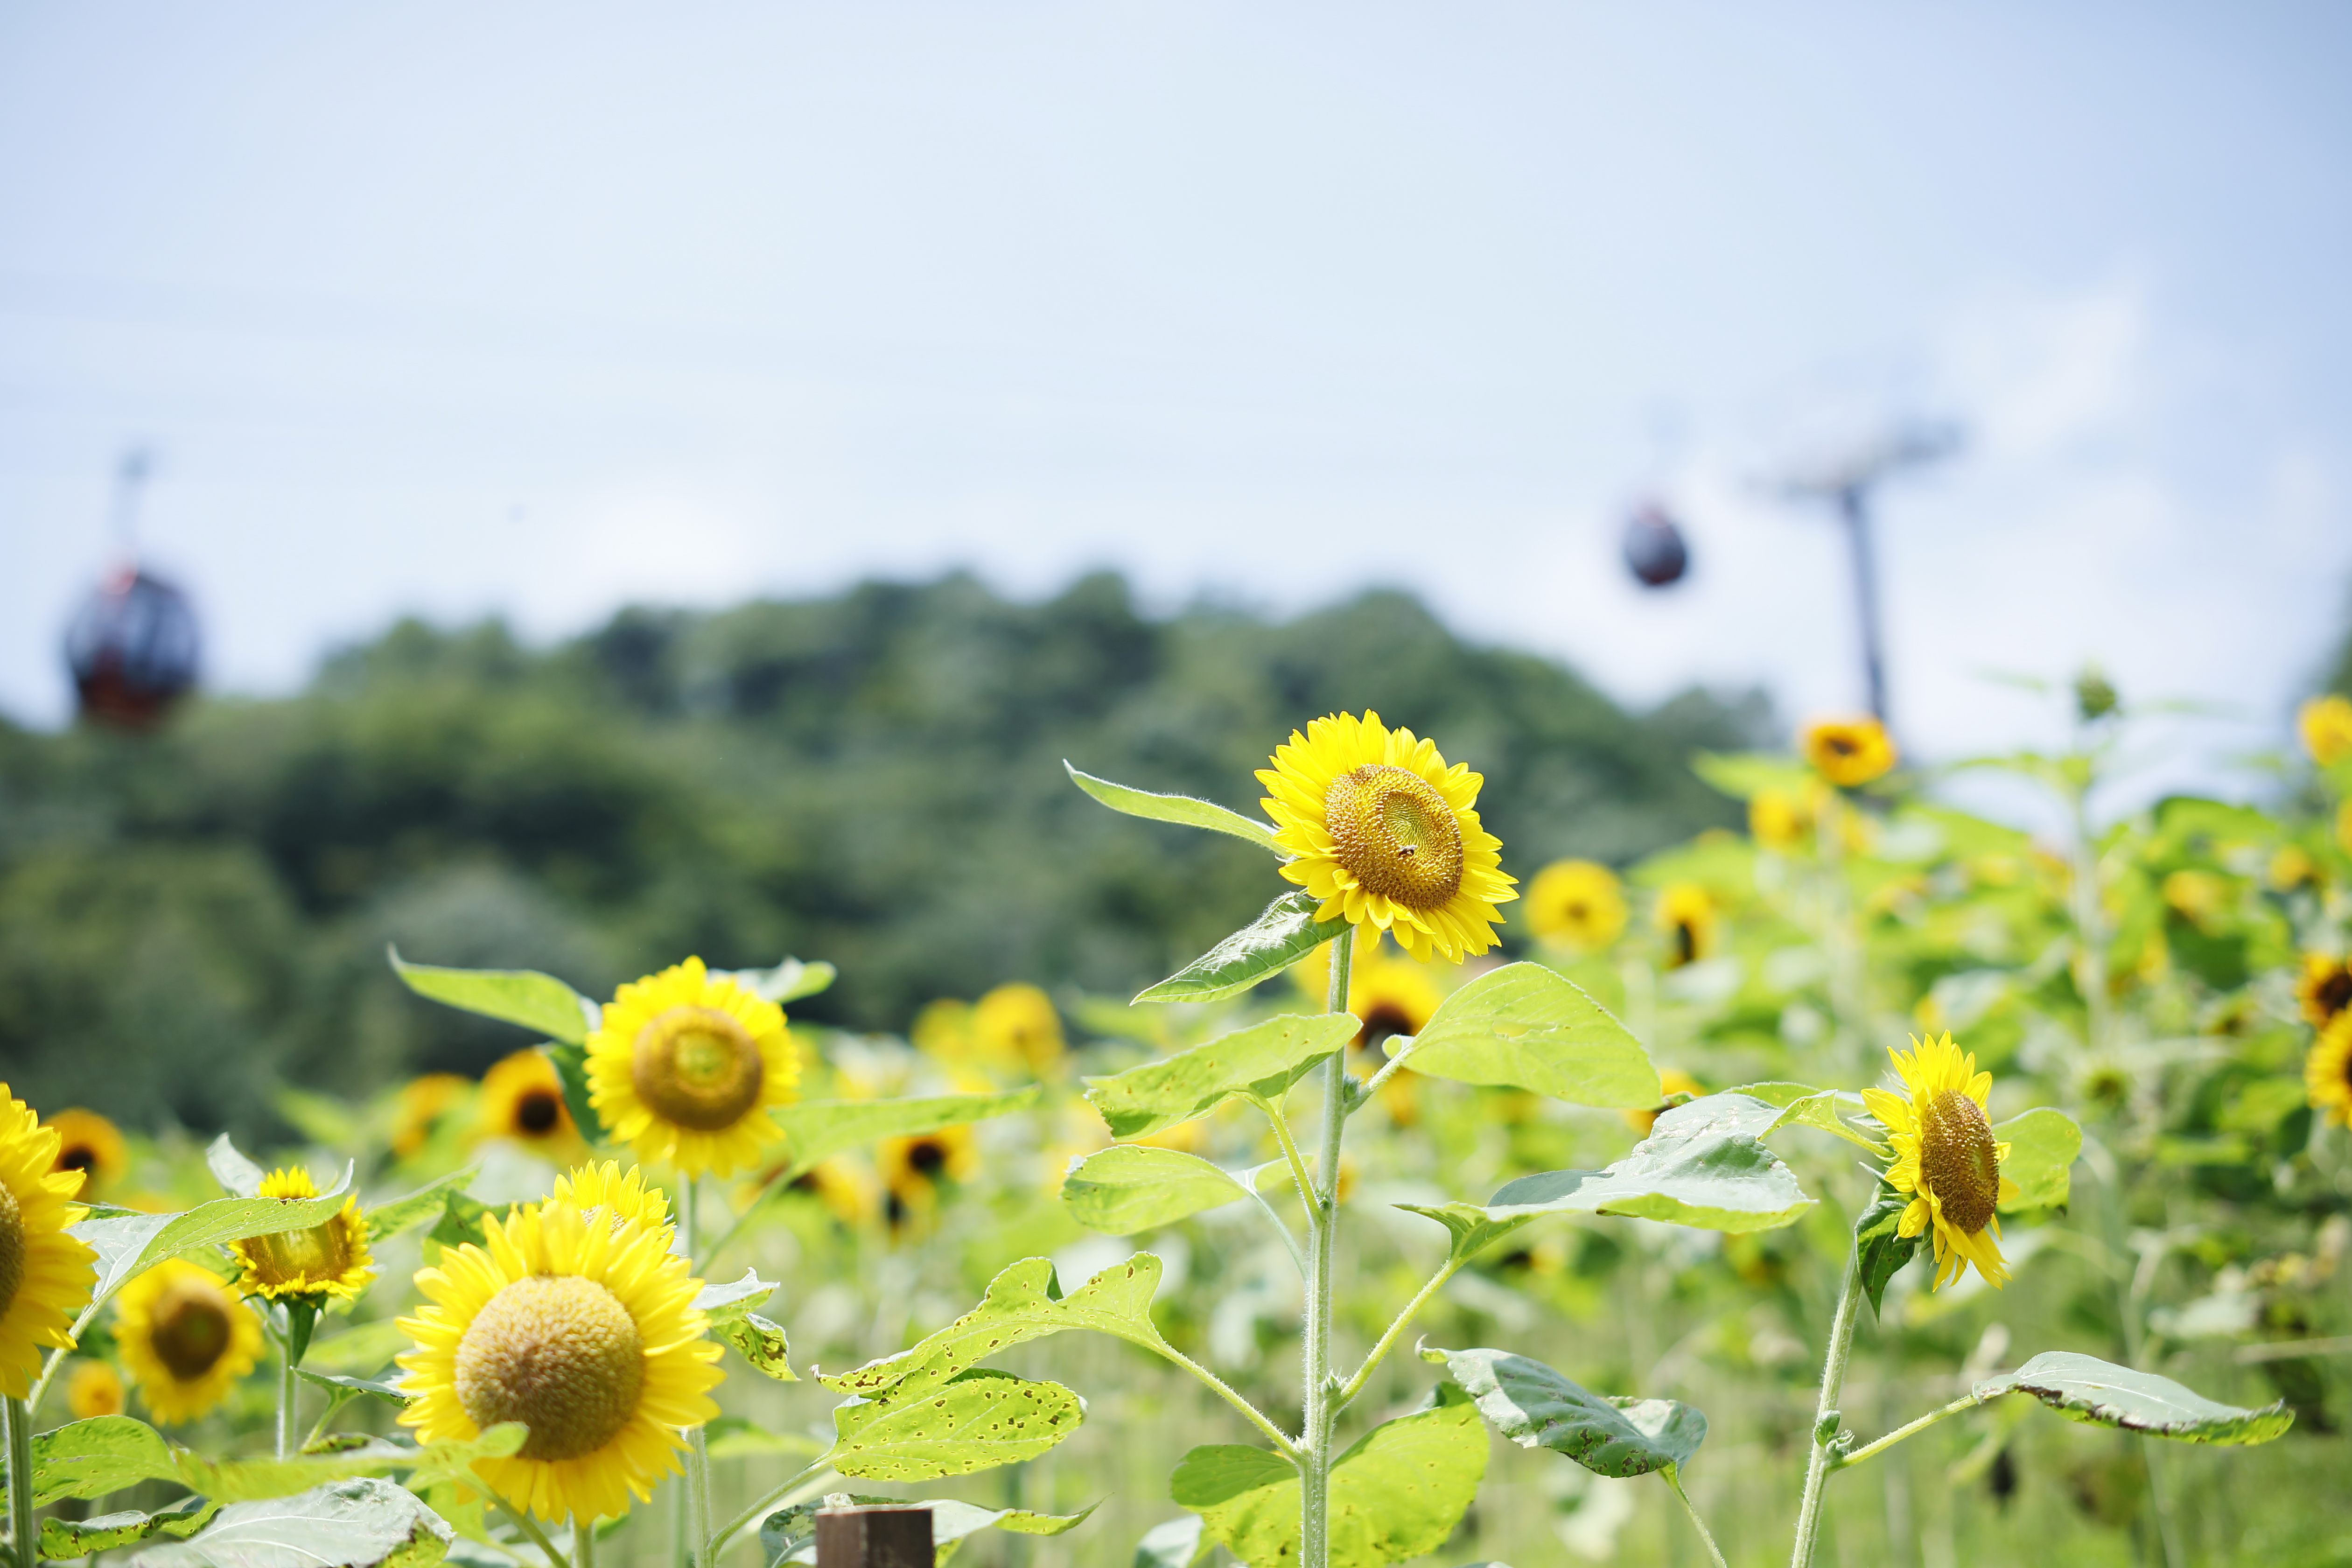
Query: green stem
<point>1847,1461</point>
<point>583,1542</point>
<point>1284,1443</point>
<point>24,1532</point>
<point>815,1473</point>
<point>1672,1474</point>
<point>1819,1465</point>
<point>1299,1177</point>
<point>1380,1352</point>
<point>696,1552</point>
<point>1323,1224</point>
<point>288,1396</point>
<point>529,1527</point>
<point>1389,1070</point>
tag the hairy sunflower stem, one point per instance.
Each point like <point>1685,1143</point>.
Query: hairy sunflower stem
<point>1299,1175</point>
<point>1847,1461</point>
<point>815,1475</point>
<point>1323,1216</point>
<point>529,1527</point>
<point>583,1542</point>
<point>1380,1352</point>
<point>24,1532</point>
<point>1287,1446</point>
<point>1672,1474</point>
<point>1825,1413</point>
<point>1389,1070</point>
<point>288,1395</point>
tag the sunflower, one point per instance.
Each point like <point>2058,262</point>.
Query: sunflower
<point>2327,726</point>
<point>330,1260</point>
<point>1577,903</point>
<point>1382,831</point>
<point>586,1335</point>
<point>1780,819</point>
<point>942,1031</point>
<point>685,1066</point>
<point>45,1275</point>
<point>630,1199</point>
<point>1849,752</point>
<point>423,1102</point>
<point>1944,1156</point>
<point>1687,913</point>
<point>2324,988</point>
<point>913,1167</point>
<point>1673,1080</point>
<point>2327,1071</point>
<point>2201,897</point>
<point>90,1144</point>
<point>522,1100</point>
<point>1015,1027</point>
<point>849,1191</point>
<point>95,1389</point>
<point>184,1338</point>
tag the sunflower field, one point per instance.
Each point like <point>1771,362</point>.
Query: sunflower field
<point>1878,1137</point>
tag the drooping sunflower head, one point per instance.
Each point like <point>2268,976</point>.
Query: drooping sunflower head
<point>2327,726</point>
<point>91,1144</point>
<point>685,1066</point>
<point>1578,904</point>
<point>624,1199</point>
<point>2327,1071</point>
<point>94,1389</point>
<point>1385,835</point>
<point>45,1275</point>
<point>184,1338</point>
<point>916,1168</point>
<point>1687,913</point>
<point>1945,1156</point>
<point>1015,1027</point>
<point>522,1100</point>
<point>586,1335</point>
<point>1849,752</point>
<point>2324,989</point>
<point>330,1260</point>
<point>423,1102</point>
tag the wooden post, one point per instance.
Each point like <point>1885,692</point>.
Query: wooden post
<point>881,1537</point>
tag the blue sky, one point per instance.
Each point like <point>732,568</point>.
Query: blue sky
<point>544,309</point>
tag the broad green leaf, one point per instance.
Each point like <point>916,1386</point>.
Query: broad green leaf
<point>1174,1544</point>
<point>816,1128</point>
<point>1021,1305</point>
<point>1536,1407</point>
<point>128,1247</point>
<point>238,1177</point>
<point>1129,1188</point>
<point>349,1387</point>
<point>1527,1026</point>
<point>758,1340</point>
<point>1285,932</point>
<point>108,1453</point>
<point>735,1298</point>
<point>461,1223</point>
<point>1265,1059</point>
<point>973,1421</point>
<point>91,1458</point>
<point>788,982</point>
<point>1470,1229</point>
<point>525,996</point>
<point>1397,1493</point>
<point>63,1538</point>
<point>1701,1165</point>
<point>1879,1250</point>
<point>571,1063</point>
<point>2083,1388</point>
<point>387,1220</point>
<point>1181,809</point>
<point>2042,1144</point>
<point>361,1524</point>
<point>733,1437</point>
<point>1825,1109</point>
<point>789,1535</point>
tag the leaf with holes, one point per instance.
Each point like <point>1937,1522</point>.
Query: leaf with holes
<point>1182,810</point>
<point>1129,1188</point>
<point>975,1420</point>
<point>1264,1059</point>
<point>2043,1146</point>
<point>62,1538</point>
<point>538,1002</point>
<point>1536,1407</point>
<point>789,1534</point>
<point>1022,1304</point>
<point>1527,1026</point>
<point>1284,931</point>
<point>129,1246</point>
<point>1701,1165</point>
<point>350,1524</point>
<point>815,1128</point>
<point>2085,1388</point>
<point>1397,1493</point>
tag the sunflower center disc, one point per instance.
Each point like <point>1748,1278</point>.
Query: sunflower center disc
<point>1396,834</point>
<point>12,1247</point>
<point>315,1255</point>
<point>698,1067</point>
<point>1960,1160</point>
<point>537,1111</point>
<point>191,1331</point>
<point>77,1157</point>
<point>561,1354</point>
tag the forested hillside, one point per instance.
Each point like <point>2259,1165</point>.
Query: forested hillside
<point>874,778</point>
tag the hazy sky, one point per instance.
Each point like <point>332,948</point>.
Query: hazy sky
<point>545,309</point>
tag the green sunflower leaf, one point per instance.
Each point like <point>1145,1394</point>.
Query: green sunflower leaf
<point>2085,1388</point>
<point>525,996</point>
<point>1470,1229</point>
<point>238,1177</point>
<point>129,1246</point>
<point>761,1343</point>
<point>1181,809</point>
<point>91,1458</point>
<point>387,1220</point>
<point>1022,1304</point>
<point>1701,1165</point>
<point>62,1538</point>
<point>1397,1493</point>
<point>1174,1544</point>
<point>1264,1059</point>
<point>788,982</point>
<point>1283,933</point>
<point>2043,1146</point>
<point>817,1129</point>
<point>360,1523</point>
<point>108,1453</point>
<point>360,1349</point>
<point>571,1063</point>
<point>349,1387</point>
<point>1879,1251</point>
<point>1536,1407</point>
<point>1129,1188</point>
<point>789,1534</point>
<point>1527,1026</point>
<point>975,1420</point>
<point>1802,1105</point>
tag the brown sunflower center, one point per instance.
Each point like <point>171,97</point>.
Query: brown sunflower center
<point>1396,834</point>
<point>191,1329</point>
<point>2334,993</point>
<point>12,1247</point>
<point>1383,1022</point>
<point>318,1254</point>
<point>1959,1159</point>
<point>559,1354</point>
<point>698,1067</point>
<point>77,1157</point>
<point>1840,745</point>
<point>928,1158</point>
<point>538,1110</point>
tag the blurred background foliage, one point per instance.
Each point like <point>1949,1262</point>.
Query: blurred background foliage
<point>189,920</point>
